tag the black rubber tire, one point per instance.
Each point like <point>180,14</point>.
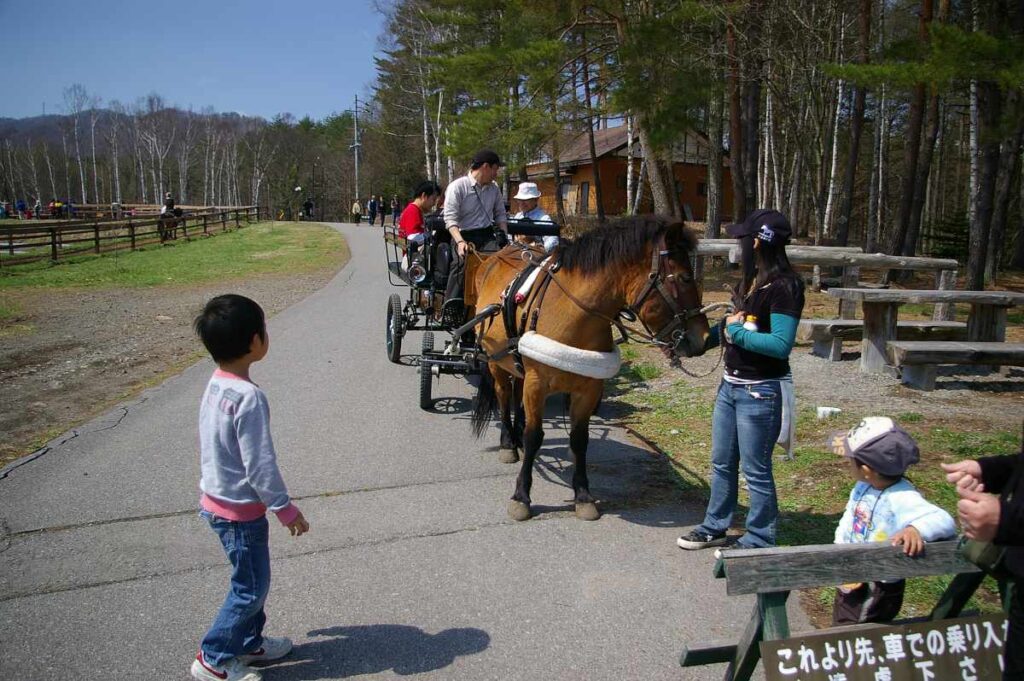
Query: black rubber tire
<point>426,376</point>
<point>394,329</point>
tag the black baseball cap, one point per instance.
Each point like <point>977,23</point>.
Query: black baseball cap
<point>487,156</point>
<point>879,443</point>
<point>769,226</point>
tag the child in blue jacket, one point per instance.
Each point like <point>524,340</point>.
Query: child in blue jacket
<point>883,506</point>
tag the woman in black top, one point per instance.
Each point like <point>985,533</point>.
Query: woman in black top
<point>747,418</point>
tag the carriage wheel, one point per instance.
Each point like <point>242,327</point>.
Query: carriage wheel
<point>395,330</point>
<point>426,376</point>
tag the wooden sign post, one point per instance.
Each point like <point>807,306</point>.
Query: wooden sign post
<point>966,648</point>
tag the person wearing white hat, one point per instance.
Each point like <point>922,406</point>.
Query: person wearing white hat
<point>527,197</point>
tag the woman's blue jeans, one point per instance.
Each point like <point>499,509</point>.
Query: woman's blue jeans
<point>744,428</point>
<point>238,628</point>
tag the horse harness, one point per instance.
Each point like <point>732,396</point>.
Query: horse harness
<point>520,316</point>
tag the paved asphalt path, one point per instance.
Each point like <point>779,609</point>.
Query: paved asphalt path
<point>412,567</point>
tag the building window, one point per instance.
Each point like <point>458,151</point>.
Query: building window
<point>702,189</point>
<point>679,186</point>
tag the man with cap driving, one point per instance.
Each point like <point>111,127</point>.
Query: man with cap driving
<point>527,197</point>
<point>883,506</point>
<point>473,207</point>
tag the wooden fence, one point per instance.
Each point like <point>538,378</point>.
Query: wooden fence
<point>24,243</point>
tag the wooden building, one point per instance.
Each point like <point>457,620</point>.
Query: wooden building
<point>689,169</point>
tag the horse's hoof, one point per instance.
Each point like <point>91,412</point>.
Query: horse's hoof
<point>587,511</point>
<point>508,455</point>
<point>518,511</point>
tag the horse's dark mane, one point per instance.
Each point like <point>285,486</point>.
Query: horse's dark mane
<point>617,243</point>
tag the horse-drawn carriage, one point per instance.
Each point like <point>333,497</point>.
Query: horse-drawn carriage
<point>423,269</point>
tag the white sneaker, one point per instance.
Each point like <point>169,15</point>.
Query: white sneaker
<point>232,670</point>
<point>272,649</point>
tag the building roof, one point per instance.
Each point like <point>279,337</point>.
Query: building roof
<point>574,149</point>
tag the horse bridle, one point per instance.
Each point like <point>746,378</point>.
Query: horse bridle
<point>673,332</point>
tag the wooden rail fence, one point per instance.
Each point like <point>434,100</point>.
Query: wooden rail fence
<point>25,243</point>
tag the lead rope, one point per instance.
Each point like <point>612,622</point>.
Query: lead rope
<point>678,364</point>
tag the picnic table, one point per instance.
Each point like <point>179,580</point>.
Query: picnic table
<point>985,323</point>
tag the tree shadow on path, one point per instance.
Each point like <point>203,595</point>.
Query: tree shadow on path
<point>371,649</point>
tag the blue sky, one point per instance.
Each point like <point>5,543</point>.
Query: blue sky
<point>257,57</point>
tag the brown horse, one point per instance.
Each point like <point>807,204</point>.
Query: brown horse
<point>637,268</point>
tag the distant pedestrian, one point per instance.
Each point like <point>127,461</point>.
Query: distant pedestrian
<point>240,481</point>
<point>371,208</point>
<point>37,209</point>
<point>383,209</point>
<point>20,207</point>
<point>395,210</point>
<point>357,212</point>
<point>307,208</point>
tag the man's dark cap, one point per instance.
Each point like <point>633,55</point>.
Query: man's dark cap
<point>487,156</point>
<point>879,443</point>
<point>770,226</point>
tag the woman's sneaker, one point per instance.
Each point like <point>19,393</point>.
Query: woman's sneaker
<point>272,649</point>
<point>700,540</point>
<point>232,670</point>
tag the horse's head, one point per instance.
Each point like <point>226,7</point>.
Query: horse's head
<point>668,300</point>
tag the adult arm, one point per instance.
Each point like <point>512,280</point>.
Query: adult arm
<point>452,200</point>
<point>996,471</point>
<point>777,344</point>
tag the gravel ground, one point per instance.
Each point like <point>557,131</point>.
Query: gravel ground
<point>76,352</point>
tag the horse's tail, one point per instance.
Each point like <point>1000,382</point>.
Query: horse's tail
<point>485,404</point>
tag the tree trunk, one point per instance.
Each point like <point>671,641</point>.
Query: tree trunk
<point>598,193</point>
<point>629,163</point>
<point>1018,255</point>
<point>49,168</point>
<point>1008,157</point>
<point>662,203</point>
<point>856,129</point>
<point>713,214</point>
<point>913,146</point>
<point>78,157</point>
<point>988,117</point>
<point>751,136</point>
<point>95,177</point>
<point>739,193</point>
<point>923,172</point>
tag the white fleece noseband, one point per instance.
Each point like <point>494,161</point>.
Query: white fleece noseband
<point>567,358</point>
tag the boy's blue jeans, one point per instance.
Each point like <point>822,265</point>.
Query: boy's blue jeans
<point>744,428</point>
<point>238,628</point>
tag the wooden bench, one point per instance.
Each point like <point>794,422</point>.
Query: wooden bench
<point>828,334</point>
<point>917,360</point>
<point>773,573</point>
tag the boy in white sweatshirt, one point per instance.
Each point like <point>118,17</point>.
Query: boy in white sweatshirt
<point>240,482</point>
<point>883,506</point>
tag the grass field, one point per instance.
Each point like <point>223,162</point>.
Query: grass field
<point>814,486</point>
<point>261,248</point>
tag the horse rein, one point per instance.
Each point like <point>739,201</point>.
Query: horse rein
<point>656,281</point>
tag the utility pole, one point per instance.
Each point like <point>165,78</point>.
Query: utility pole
<point>355,143</point>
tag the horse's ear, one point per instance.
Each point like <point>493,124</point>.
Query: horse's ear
<point>679,238</point>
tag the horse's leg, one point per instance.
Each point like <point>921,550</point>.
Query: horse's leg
<point>519,422</point>
<point>507,452</point>
<point>582,407</point>
<point>533,405</point>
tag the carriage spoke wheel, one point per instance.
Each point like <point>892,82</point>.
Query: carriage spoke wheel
<point>426,376</point>
<point>395,329</point>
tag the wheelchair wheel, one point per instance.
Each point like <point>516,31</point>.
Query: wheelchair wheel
<point>395,329</point>
<point>426,376</point>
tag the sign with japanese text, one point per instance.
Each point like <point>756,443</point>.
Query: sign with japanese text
<point>963,649</point>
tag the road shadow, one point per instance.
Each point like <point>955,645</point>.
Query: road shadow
<point>342,652</point>
<point>451,405</point>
